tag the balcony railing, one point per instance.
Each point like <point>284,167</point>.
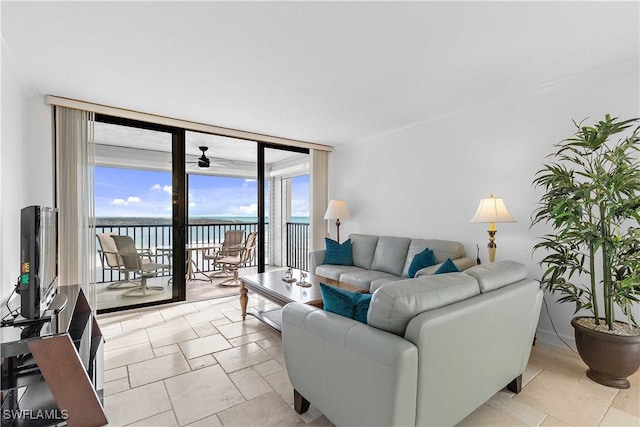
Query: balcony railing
<point>297,245</point>
<point>154,236</point>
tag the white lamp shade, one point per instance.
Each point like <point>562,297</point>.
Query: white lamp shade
<point>337,209</point>
<point>492,210</point>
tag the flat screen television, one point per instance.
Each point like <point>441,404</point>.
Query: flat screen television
<point>38,281</point>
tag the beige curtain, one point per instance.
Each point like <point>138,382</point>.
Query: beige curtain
<point>318,188</point>
<point>75,152</point>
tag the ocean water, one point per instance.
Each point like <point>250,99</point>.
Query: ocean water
<point>296,219</point>
<point>120,221</point>
<point>151,232</point>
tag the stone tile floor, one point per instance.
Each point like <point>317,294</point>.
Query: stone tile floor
<point>198,364</point>
<point>197,290</point>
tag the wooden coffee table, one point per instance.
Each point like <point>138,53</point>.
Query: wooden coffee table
<point>271,286</point>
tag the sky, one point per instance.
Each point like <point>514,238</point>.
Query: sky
<point>136,193</point>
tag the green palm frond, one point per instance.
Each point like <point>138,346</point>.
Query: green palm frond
<point>591,194</point>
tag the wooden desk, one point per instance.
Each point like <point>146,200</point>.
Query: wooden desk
<point>67,353</point>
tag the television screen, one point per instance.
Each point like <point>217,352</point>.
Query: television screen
<point>38,259</point>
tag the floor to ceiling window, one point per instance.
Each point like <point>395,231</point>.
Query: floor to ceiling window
<point>134,197</point>
<point>285,206</point>
<point>177,192</point>
<point>221,197</point>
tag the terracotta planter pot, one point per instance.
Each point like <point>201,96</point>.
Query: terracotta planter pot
<point>610,358</point>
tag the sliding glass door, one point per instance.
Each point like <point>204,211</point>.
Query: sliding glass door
<point>177,193</point>
<point>283,206</point>
<point>221,201</point>
<point>137,196</point>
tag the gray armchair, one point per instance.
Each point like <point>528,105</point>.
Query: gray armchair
<point>132,261</point>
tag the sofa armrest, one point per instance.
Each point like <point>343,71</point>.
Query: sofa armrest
<point>316,258</point>
<point>353,373</point>
<point>493,337</point>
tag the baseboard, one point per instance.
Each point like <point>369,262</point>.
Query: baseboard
<point>550,337</point>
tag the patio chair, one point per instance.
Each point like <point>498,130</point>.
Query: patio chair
<point>231,247</point>
<point>231,264</point>
<point>132,260</point>
<point>111,262</point>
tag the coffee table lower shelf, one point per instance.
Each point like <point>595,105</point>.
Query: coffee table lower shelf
<point>271,286</point>
<point>272,318</point>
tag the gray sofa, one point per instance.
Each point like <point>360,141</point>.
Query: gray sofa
<point>435,348</point>
<point>378,260</point>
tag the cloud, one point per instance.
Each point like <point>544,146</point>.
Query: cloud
<point>299,207</point>
<point>248,182</point>
<point>123,202</point>
<point>251,210</point>
<point>166,188</point>
<point>192,204</point>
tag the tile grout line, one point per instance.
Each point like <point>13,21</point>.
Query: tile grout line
<point>180,350</point>
<point>608,407</point>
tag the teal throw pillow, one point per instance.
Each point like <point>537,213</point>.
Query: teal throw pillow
<point>447,267</point>
<point>423,259</point>
<point>338,254</point>
<point>353,305</point>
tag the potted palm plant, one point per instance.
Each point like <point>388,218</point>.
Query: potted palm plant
<point>592,259</point>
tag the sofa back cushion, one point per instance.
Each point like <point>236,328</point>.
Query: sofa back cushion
<point>390,254</point>
<point>395,304</point>
<point>363,247</point>
<point>442,249</point>
<point>495,275</point>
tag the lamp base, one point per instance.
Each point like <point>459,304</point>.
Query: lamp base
<point>492,245</point>
<point>492,254</point>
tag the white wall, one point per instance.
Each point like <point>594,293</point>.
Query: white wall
<point>426,180</point>
<point>26,162</point>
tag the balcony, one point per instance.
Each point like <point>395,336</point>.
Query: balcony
<point>137,183</point>
<point>154,236</point>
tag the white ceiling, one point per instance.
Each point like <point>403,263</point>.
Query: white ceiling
<point>129,147</point>
<point>218,147</point>
<point>324,72</point>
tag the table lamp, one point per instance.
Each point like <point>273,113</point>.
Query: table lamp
<point>337,209</point>
<point>490,211</point>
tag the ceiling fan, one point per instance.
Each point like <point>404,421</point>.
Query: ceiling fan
<point>203,161</point>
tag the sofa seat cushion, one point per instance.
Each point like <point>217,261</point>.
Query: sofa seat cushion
<point>363,278</point>
<point>395,304</point>
<point>334,271</point>
<point>495,275</point>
